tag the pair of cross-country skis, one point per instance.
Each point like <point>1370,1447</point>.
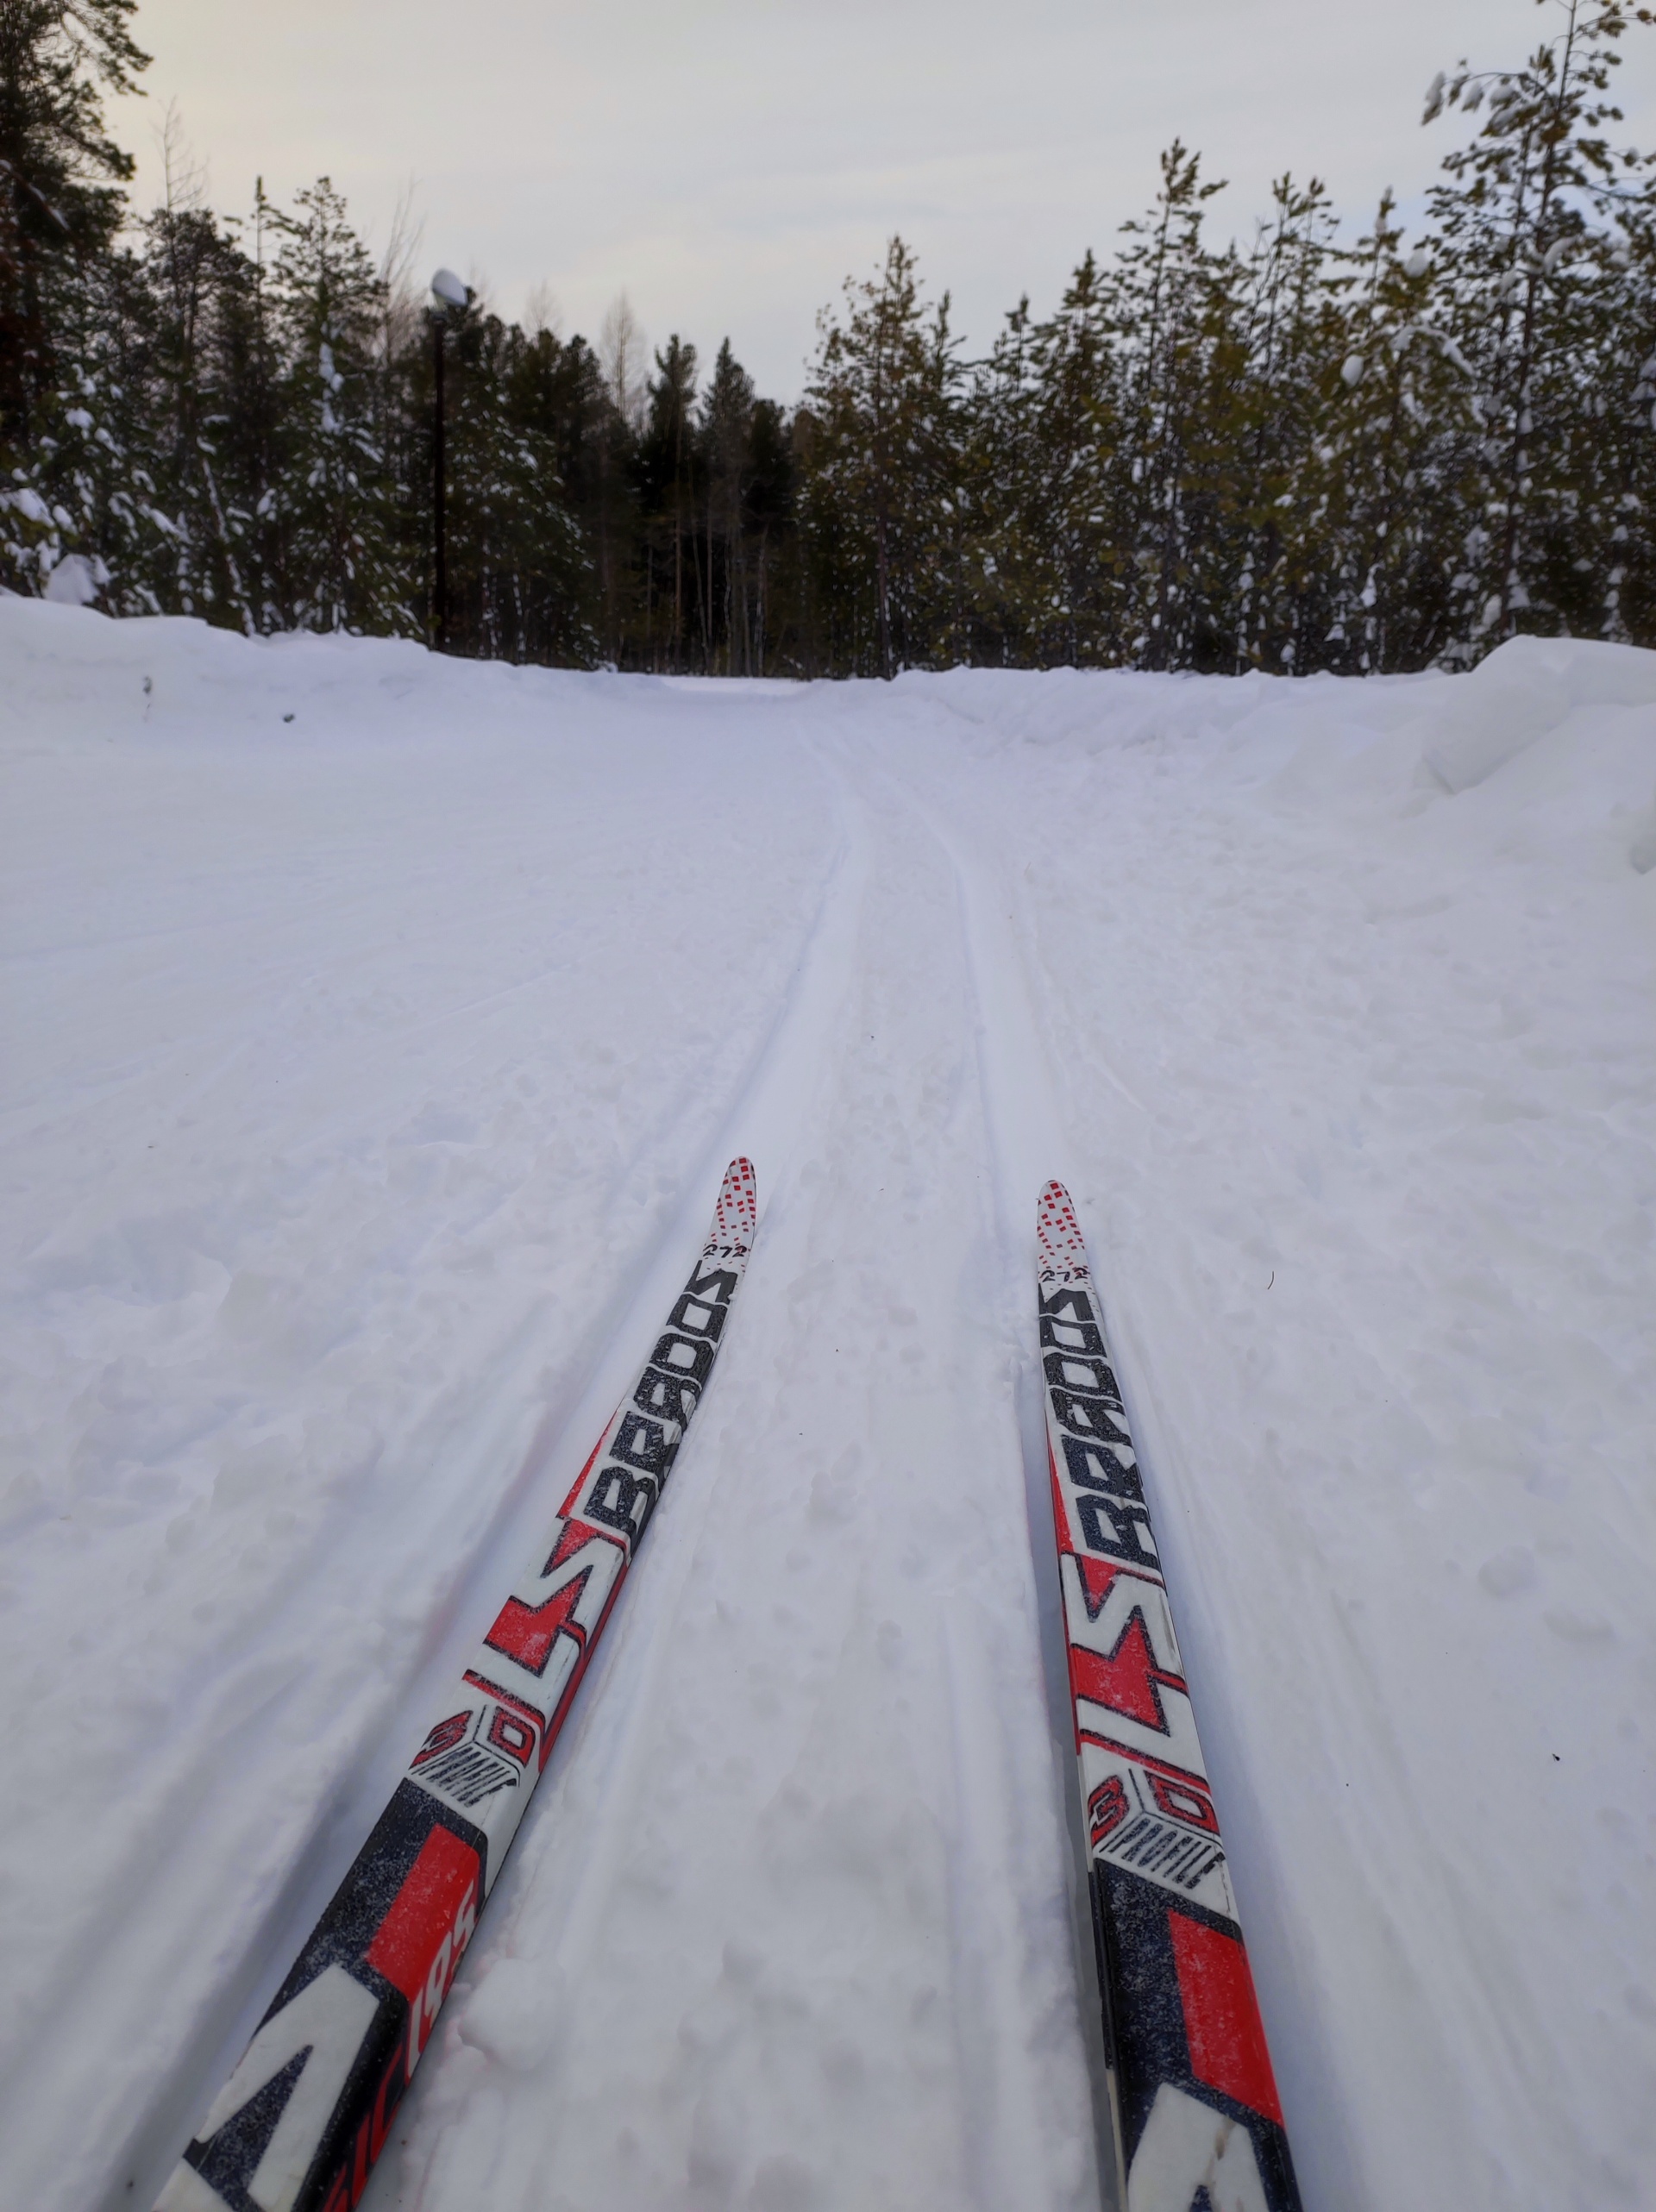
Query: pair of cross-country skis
<point>1193,2104</point>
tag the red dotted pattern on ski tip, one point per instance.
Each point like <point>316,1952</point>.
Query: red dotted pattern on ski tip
<point>737,1215</point>
<point>1058,1232</point>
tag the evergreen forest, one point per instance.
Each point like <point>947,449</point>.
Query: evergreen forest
<point>1294,450</point>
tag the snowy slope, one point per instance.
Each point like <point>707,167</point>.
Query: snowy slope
<point>368,1074</point>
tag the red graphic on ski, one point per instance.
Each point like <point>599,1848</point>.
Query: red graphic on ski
<point>1192,2094</point>
<point>301,2121</point>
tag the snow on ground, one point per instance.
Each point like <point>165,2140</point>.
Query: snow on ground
<point>375,1031</point>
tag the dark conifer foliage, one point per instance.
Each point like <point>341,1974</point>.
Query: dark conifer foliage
<point>1296,451</point>
<point>60,174</point>
<point>884,477</point>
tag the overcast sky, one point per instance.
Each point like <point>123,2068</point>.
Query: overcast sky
<point>728,162</point>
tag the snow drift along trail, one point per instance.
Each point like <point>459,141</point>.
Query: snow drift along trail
<point>367,1073</point>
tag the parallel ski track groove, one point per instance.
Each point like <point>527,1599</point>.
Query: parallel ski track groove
<point>995,1050</point>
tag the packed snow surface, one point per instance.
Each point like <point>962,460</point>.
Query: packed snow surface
<point>376,1030</point>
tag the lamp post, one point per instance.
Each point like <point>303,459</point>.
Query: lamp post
<point>452,297</point>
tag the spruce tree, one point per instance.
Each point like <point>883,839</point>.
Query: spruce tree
<point>60,172</point>
<point>559,390</point>
<point>776,631</point>
<point>334,525</point>
<point>200,285</point>
<point>86,485</point>
<point>668,469</point>
<point>726,428</point>
<point>519,577</point>
<point>60,206</point>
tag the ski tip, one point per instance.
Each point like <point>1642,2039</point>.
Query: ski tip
<point>737,1215</point>
<point>1062,1247</point>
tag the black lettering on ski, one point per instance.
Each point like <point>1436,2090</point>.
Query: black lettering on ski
<point>620,1500</point>
<point>644,1444</point>
<point>1080,1336</point>
<point>684,1356</point>
<point>698,1317</point>
<point>1084,1415</point>
<point>1078,1371</point>
<point>1128,1540</point>
<point>1095,1466</point>
<point>668,1397</point>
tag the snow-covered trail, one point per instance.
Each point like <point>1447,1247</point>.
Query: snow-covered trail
<point>857,1949</point>
<point>368,1076</point>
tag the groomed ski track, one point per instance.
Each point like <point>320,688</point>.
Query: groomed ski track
<point>329,1271</point>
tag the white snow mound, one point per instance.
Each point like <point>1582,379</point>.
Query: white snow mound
<point>1528,687</point>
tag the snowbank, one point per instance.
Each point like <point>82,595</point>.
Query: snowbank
<point>376,1029</point>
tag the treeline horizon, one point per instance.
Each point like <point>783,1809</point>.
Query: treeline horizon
<point>1294,454</point>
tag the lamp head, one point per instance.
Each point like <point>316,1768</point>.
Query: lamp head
<point>449,291</point>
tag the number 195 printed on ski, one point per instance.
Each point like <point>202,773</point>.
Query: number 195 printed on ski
<point>301,2121</point>
<point>1192,2096</point>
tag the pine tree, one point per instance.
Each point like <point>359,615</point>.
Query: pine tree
<point>1173,309</point>
<point>1396,456</point>
<point>1614,555</point>
<point>881,493</point>
<point>1293,454</point>
<point>1288,290</point>
<point>1516,227</point>
<point>1046,411</point>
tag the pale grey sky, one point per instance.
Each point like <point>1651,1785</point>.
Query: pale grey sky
<point>728,162</point>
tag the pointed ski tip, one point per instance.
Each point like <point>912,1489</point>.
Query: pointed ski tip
<point>1058,1233</point>
<point>737,1215</point>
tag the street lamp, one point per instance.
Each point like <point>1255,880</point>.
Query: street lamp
<point>453,297</point>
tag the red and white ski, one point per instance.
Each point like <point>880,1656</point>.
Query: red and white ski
<point>1192,2094</point>
<point>304,2115</point>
